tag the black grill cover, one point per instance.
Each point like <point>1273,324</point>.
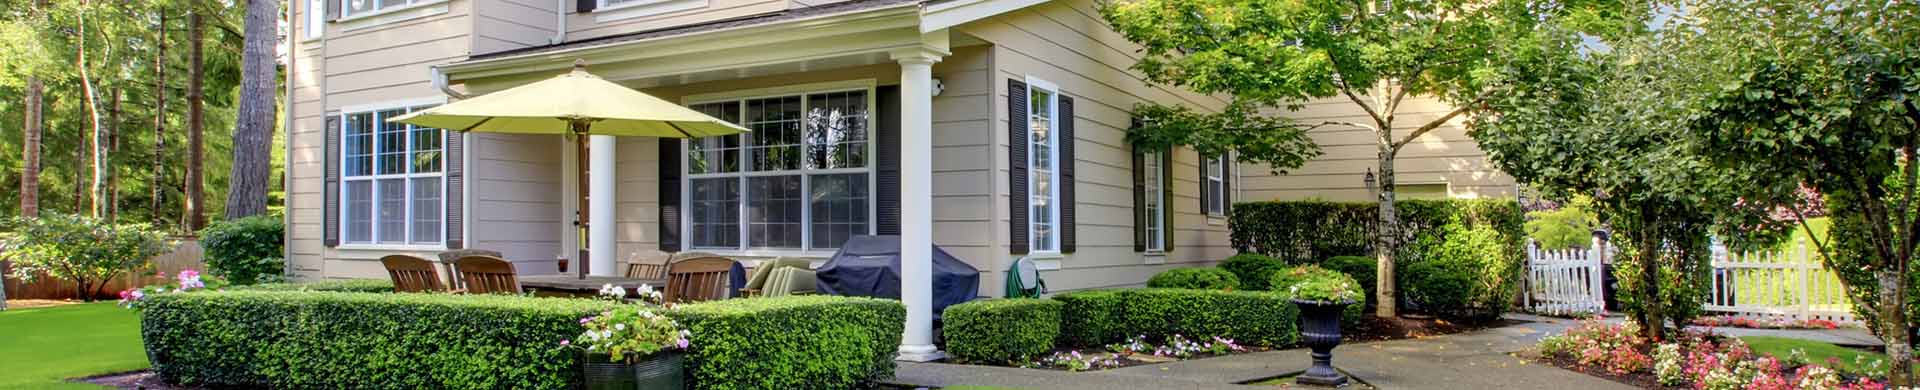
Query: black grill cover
<point>869,266</point>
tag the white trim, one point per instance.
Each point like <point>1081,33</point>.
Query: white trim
<point>956,12</point>
<point>642,8</point>
<point>784,90</point>
<point>391,104</point>
<point>1056,233</point>
<point>374,180</point>
<point>391,247</point>
<point>315,24</point>
<point>1157,193</point>
<point>422,9</point>
<point>1153,258</point>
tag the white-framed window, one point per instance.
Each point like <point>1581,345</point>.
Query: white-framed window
<point>802,180</point>
<point>316,18</point>
<point>391,180</point>
<point>364,7</point>
<point>1216,182</point>
<point>1156,199</point>
<point>617,3</point>
<point>1043,167</point>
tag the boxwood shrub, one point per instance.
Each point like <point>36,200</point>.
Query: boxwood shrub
<point>292,339</point>
<point>797,342</point>
<point>1195,278</point>
<point>314,339</point>
<point>333,285</point>
<point>1001,330</point>
<point>246,250</point>
<point>1252,269</point>
<point>1092,318</point>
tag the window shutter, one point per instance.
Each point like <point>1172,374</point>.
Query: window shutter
<point>1226,184</point>
<point>1205,198</point>
<point>1167,227</point>
<point>1139,196</point>
<point>670,194</point>
<point>330,190</point>
<point>1067,204</point>
<point>887,196</point>
<point>1017,198</point>
<point>456,164</point>
<point>333,9</point>
<point>585,6</point>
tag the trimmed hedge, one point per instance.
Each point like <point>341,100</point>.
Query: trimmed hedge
<point>1474,239</point>
<point>247,250</point>
<point>1247,317</point>
<point>1253,269</point>
<point>306,339</point>
<point>1364,270</point>
<point>262,339</point>
<point>334,285</point>
<point>795,342</point>
<point>1092,318</point>
<point>1001,330</point>
<point>1195,278</point>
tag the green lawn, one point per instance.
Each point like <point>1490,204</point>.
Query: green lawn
<point>1818,352</point>
<point>40,348</point>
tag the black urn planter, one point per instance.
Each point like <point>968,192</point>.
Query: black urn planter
<point>1320,327</point>
<point>664,370</point>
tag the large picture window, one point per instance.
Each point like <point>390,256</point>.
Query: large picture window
<point>391,180</point>
<point>801,180</point>
<point>1044,175</point>
<point>1153,167</point>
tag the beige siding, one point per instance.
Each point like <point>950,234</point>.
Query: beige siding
<point>500,25</point>
<point>585,25</point>
<point>1445,155</point>
<point>1067,44</point>
<point>305,253</point>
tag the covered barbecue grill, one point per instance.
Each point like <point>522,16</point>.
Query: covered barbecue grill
<point>869,266</point>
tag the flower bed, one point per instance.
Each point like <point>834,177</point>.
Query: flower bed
<point>1692,360</point>
<point>1763,323</point>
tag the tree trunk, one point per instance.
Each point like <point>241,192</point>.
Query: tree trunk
<point>157,179</point>
<point>253,135</point>
<point>195,217</point>
<point>1387,232</point>
<point>112,192</point>
<point>1652,319</point>
<point>1893,317</point>
<point>93,118</point>
<point>30,174</point>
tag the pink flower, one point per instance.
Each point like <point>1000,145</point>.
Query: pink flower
<point>682,343</point>
<point>566,342</point>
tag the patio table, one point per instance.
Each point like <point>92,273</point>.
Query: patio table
<point>573,285</point>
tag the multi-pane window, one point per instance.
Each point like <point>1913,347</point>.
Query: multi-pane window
<point>1216,182</point>
<point>1043,171</point>
<point>391,182</point>
<point>801,180</point>
<point>363,7</point>
<point>610,3</point>
<point>1155,195</point>
<point>316,17</point>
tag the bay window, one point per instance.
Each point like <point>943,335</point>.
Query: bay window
<point>800,181</point>
<point>391,180</point>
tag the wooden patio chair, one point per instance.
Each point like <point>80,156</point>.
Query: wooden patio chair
<point>698,279</point>
<point>412,274</point>
<point>487,275</point>
<point>447,258</point>
<point>650,264</point>
<point>678,256</point>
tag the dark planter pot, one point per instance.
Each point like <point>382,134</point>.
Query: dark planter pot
<point>1320,329</point>
<point>660,371</point>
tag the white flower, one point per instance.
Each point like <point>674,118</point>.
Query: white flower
<point>619,292</point>
<point>644,289</point>
<point>619,326</point>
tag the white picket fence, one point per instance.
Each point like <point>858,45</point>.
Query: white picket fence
<point>1791,284</point>
<point>1564,282</point>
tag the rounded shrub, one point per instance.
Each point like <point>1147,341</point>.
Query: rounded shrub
<point>245,251</point>
<point>1253,269</point>
<point>1364,270</point>
<point>1437,289</point>
<point>1195,278</point>
<point>1464,272</point>
<point>1001,330</point>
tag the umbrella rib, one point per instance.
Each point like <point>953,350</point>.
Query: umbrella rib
<point>477,124</point>
<point>676,127</point>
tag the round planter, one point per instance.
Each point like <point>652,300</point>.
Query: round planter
<point>1320,327</point>
<point>660,371</point>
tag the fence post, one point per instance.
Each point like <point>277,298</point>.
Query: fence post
<point>1806,278</point>
<point>1526,282</point>
<point>1596,268</point>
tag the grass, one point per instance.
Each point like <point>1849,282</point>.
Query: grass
<point>42,347</point>
<point>1817,352</point>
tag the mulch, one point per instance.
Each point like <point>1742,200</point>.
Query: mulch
<point>143,379</point>
<point>1372,328</point>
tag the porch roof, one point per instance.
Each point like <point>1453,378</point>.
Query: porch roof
<point>794,14</point>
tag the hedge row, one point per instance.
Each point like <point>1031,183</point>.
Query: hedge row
<point>306,339</point>
<point>1001,330</point>
<point>1195,278</point>
<point>333,285</point>
<point>1095,318</point>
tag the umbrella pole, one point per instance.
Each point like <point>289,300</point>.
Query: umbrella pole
<point>580,180</point>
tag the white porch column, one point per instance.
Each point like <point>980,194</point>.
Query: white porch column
<point>916,201</point>
<point>600,196</point>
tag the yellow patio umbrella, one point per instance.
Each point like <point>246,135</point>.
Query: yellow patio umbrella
<point>576,104</point>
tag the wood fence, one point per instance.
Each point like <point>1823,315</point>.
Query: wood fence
<point>1565,282</point>
<point>185,254</point>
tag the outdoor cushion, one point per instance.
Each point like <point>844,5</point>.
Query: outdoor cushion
<point>790,280</point>
<point>759,279</point>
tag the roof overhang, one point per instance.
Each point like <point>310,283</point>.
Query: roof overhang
<point>943,15</point>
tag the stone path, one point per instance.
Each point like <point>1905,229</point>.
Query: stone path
<point>1477,360</point>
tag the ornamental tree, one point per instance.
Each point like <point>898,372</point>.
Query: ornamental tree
<point>87,251</point>
<point>1372,54</point>
<point>1822,94</point>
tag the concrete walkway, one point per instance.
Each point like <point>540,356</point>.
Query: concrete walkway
<point>1477,360</point>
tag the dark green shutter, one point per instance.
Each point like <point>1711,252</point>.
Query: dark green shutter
<point>1066,201</point>
<point>887,139</point>
<point>670,194</point>
<point>330,190</point>
<point>1139,196</point>
<point>456,184</point>
<point>1017,197</point>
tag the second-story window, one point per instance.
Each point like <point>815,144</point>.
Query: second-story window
<point>364,7</point>
<point>316,18</point>
<point>616,3</point>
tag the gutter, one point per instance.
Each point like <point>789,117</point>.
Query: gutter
<point>559,22</point>
<point>440,81</point>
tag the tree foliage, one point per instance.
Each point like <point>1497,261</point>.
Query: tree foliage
<point>88,251</point>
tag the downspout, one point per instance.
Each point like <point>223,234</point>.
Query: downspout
<point>440,82</point>
<point>559,22</point>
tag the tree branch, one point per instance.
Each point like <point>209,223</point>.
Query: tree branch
<point>1436,123</point>
<point>1336,123</point>
<point>1348,91</point>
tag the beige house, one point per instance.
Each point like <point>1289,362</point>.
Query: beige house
<point>1001,121</point>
